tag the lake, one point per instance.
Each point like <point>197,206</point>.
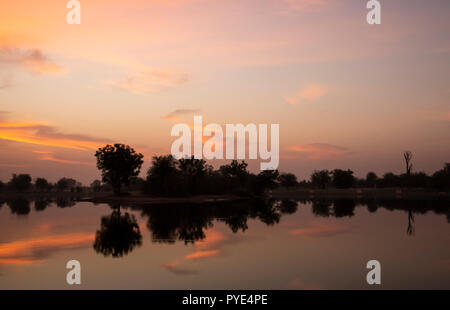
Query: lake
<point>259,244</point>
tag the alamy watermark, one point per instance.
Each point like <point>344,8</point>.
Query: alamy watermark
<point>374,15</point>
<point>74,275</point>
<point>374,275</point>
<point>220,146</point>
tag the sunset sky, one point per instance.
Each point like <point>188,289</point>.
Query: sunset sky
<point>345,94</point>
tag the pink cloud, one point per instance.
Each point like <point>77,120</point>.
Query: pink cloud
<point>150,81</point>
<point>32,60</point>
<point>309,93</point>
<point>319,229</point>
<point>319,151</point>
<point>176,268</point>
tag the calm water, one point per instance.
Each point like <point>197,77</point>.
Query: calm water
<point>320,244</point>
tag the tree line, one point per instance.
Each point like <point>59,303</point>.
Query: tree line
<point>120,166</point>
<point>24,182</point>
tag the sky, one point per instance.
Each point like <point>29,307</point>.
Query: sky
<point>345,94</point>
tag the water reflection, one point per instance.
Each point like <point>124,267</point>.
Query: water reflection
<point>119,234</point>
<point>22,206</point>
<point>19,206</point>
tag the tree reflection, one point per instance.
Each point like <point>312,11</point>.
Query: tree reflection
<point>119,234</point>
<point>41,204</point>
<point>410,230</point>
<point>19,206</point>
<point>65,202</point>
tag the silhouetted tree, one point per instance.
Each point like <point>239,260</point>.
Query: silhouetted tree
<point>343,178</point>
<point>288,180</point>
<point>119,164</point>
<point>193,172</point>
<point>2,186</point>
<point>320,178</point>
<point>163,177</point>
<point>20,182</point>
<point>266,179</point>
<point>371,179</point>
<point>441,178</point>
<point>96,186</point>
<point>41,184</point>
<point>235,170</point>
<point>62,185</point>
<point>407,155</point>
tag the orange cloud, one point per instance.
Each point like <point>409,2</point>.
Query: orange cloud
<point>175,115</point>
<point>40,134</point>
<point>319,151</point>
<point>203,254</point>
<point>309,93</point>
<point>150,81</point>
<point>175,268</point>
<point>32,251</point>
<point>65,161</point>
<point>302,5</point>
<point>32,60</point>
<point>212,239</point>
<point>319,229</point>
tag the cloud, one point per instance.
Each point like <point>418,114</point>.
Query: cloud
<point>150,81</point>
<point>309,93</point>
<point>319,229</point>
<point>174,115</point>
<point>32,251</point>
<point>11,165</point>
<point>32,60</point>
<point>319,151</point>
<point>41,134</point>
<point>65,161</point>
<point>301,5</point>
<point>175,268</point>
<point>203,254</point>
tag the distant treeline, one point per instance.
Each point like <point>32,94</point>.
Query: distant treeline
<point>170,177</point>
<point>440,180</point>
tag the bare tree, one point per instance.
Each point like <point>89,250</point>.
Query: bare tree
<point>408,156</point>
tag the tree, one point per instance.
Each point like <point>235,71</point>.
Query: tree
<point>441,178</point>
<point>343,178</point>
<point>119,164</point>
<point>62,185</point>
<point>20,182</point>
<point>96,186</point>
<point>162,176</point>
<point>407,155</point>
<point>193,172</point>
<point>288,180</point>
<point>2,186</point>
<point>266,179</point>
<point>321,178</point>
<point>41,184</point>
<point>118,235</point>
<point>371,179</point>
<point>235,170</point>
